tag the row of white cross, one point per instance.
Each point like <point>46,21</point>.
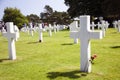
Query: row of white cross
<point>117,25</point>
<point>84,34</point>
<point>48,28</point>
<point>74,28</point>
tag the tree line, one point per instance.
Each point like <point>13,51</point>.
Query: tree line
<point>109,9</point>
<point>48,16</point>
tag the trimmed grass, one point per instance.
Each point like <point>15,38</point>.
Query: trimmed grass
<point>57,58</point>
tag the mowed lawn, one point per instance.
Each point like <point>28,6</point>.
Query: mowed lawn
<point>57,58</point>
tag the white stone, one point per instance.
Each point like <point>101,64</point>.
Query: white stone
<point>31,29</point>
<point>99,25</point>
<point>103,25</point>
<point>55,28</point>
<point>93,25</point>
<point>85,34</point>
<point>58,26</point>
<point>28,30</point>
<point>50,30</point>
<point>118,25</point>
<point>106,25</point>
<point>115,24</point>
<point>17,32</point>
<point>25,28</point>
<point>40,33</point>
<point>73,29</point>
<point>11,36</point>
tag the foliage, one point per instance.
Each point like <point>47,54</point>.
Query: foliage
<point>61,18</point>
<point>33,18</point>
<point>48,11</point>
<point>14,15</point>
<point>51,16</point>
<point>105,8</point>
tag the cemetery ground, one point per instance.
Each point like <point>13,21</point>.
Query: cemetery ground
<point>58,58</point>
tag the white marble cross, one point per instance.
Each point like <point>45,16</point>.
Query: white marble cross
<point>11,36</point>
<point>103,28</point>
<point>58,27</point>
<point>99,25</point>
<point>17,32</point>
<point>115,24</point>
<point>74,29</point>
<point>93,25</point>
<point>106,25</point>
<point>50,30</point>
<point>85,34</point>
<point>31,29</point>
<point>40,33</point>
<point>55,28</point>
<point>118,25</point>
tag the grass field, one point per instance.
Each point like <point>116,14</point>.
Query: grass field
<point>57,58</point>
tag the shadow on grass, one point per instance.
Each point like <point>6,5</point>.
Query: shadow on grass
<point>33,42</point>
<point>72,74</point>
<point>115,47</point>
<point>67,44</point>
<point>1,60</point>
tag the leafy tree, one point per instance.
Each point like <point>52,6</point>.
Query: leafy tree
<point>51,16</point>
<point>48,9</point>
<point>14,15</point>
<point>84,7</point>
<point>45,16</point>
<point>61,18</point>
<point>105,8</point>
<point>33,18</point>
<point>111,8</point>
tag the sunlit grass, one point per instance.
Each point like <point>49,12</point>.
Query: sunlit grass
<point>57,58</point>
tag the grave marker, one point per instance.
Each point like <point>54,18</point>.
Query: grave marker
<point>17,32</point>
<point>118,25</point>
<point>99,25</point>
<point>11,36</point>
<point>85,34</point>
<point>103,28</point>
<point>93,25</point>
<point>115,24</point>
<point>50,30</point>
<point>54,27</point>
<point>40,33</point>
<point>106,25</point>
<point>74,29</point>
<point>31,29</point>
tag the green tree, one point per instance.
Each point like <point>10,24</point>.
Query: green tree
<point>51,16</point>
<point>84,7</point>
<point>48,9</point>
<point>105,8</point>
<point>14,15</point>
<point>111,8</point>
<point>33,18</point>
<point>61,18</point>
<point>45,16</point>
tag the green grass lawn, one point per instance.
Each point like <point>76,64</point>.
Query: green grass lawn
<point>57,58</point>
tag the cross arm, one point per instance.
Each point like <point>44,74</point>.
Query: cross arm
<point>96,35</point>
<point>11,35</point>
